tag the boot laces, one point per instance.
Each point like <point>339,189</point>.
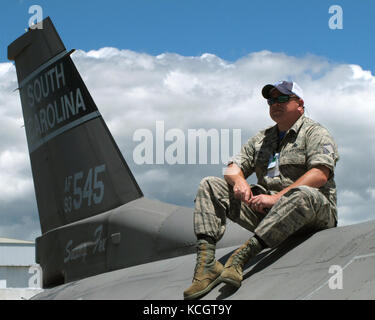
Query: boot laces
<point>204,261</point>
<point>240,257</point>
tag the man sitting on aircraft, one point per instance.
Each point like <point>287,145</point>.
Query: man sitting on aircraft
<point>294,162</point>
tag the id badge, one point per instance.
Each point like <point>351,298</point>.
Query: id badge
<point>273,166</point>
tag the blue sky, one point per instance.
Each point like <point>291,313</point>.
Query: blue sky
<point>228,29</point>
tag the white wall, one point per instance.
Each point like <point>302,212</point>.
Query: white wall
<point>20,276</point>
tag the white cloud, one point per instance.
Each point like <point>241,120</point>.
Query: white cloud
<point>14,182</point>
<point>133,90</point>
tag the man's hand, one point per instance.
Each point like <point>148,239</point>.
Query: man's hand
<point>235,177</point>
<point>242,191</point>
<point>263,201</point>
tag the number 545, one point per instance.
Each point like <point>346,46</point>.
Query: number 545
<point>93,188</point>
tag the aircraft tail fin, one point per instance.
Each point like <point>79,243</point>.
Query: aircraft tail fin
<point>78,170</point>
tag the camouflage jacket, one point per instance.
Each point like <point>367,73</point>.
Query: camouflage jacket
<point>305,145</point>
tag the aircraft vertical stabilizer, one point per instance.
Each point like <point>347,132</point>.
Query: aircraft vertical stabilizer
<point>77,168</point>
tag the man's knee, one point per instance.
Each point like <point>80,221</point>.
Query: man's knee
<point>302,192</point>
<point>211,188</point>
<point>305,198</point>
<point>211,182</point>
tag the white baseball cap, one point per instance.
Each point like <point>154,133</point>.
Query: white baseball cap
<point>285,87</point>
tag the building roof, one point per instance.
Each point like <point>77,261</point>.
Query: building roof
<point>15,241</point>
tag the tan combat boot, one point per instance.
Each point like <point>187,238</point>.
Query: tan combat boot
<point>232,273</point>
<point>206,273</point>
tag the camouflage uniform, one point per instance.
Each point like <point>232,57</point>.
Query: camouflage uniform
<point>305,145</point>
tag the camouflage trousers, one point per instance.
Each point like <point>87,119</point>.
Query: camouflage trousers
<point>300,209</point>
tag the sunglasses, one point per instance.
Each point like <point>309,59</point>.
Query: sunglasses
<point>279,99</point>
